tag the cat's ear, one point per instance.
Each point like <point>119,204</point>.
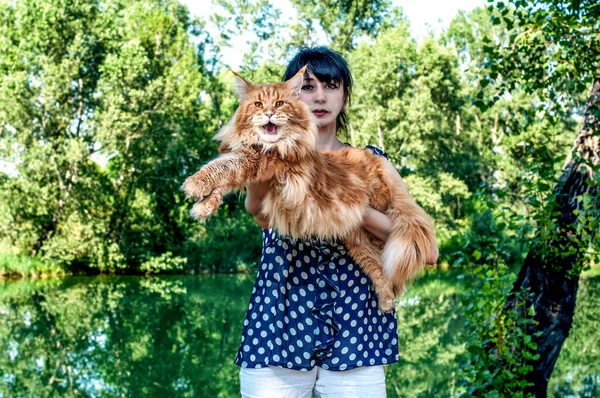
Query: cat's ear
<point>242,85</point>
<point>295,83</point>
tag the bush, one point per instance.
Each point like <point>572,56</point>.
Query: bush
<point>24,266</point>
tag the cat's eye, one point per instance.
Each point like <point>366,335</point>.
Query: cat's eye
<point>258,104</point>
<point>279,104</point>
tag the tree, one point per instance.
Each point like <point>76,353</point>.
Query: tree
<point>552,51</point>
<point>409,99</point>
<point>85,81</point>
<point>342,22</point>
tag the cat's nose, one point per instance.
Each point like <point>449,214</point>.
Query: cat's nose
<point>269,114</point>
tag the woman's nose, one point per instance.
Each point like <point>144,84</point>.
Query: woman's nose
<point>319,94</point>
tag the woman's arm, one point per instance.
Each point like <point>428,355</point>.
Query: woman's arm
<point>380,224</point>
<point>256,191</point>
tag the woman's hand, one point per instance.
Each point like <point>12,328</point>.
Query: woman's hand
<point>380,225</point>
<point>377,223</point>
<point>256,191</point>
<point>267,168</point>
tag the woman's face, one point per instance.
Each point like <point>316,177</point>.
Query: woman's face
<point>325,99</point>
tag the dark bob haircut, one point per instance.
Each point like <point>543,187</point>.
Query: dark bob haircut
<point>326,65</point>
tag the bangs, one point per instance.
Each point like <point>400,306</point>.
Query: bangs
<point>326,71</point>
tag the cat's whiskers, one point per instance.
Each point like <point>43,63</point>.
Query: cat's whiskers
<point>260,120</point>
<point>280,119</point>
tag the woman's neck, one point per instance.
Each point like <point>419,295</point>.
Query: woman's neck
<point>328,140</point>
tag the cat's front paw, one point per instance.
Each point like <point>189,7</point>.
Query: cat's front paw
<point>197,186</point>
<point>203,209</point>
<point>386,298</point>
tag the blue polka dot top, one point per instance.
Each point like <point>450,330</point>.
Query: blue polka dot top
<point>312,305</point>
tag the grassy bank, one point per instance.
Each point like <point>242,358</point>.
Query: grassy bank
<point>12,265</point>
<point>19,266</point>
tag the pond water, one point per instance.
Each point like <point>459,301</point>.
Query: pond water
<point>177,336</point>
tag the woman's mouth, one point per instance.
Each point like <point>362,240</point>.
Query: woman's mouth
<point>319,112</point>
<point>270,128</point>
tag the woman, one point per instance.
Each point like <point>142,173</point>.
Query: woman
<point>313,324</point>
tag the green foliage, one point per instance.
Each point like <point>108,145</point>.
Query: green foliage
<point>106,110</point>
<point>498,371</point>
<point>499,342</point>
<point>164,263</point>
<point>525,62</point>
<point>229,242</point>
<point>487,233</point>
<point>342,21</point>
<point>429,321</point>
<point>551,49</point>
<point>12,264</point>
<point>578,367</point>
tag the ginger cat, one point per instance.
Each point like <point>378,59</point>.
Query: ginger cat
<point>314,194</point>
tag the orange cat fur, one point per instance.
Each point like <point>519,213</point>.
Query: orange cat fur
<point>315,194</point>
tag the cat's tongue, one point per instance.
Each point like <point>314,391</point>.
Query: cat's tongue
<point>270,128</point>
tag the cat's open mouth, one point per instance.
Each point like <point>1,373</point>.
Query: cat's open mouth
<point>270,128</point>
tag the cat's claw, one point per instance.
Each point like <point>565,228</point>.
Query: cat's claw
<point>202,210</point>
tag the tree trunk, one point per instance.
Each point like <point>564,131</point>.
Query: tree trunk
<point>64,191</point>
<point>550,273</point>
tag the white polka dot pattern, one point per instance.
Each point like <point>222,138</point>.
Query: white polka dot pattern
<point>312,306</point>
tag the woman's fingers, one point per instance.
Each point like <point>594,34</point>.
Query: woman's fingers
<point>268,168</point>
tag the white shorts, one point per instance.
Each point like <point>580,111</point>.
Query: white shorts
<point>274,382</point>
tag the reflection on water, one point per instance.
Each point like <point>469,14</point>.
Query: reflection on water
<point>125,336</point>
<point>177,336</point>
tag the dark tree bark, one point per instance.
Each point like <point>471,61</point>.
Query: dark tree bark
<point>550,274</point>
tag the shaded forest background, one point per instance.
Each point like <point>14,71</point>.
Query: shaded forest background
<point>106,107</point>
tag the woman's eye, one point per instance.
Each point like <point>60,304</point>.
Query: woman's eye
<point>258,104</point>
<point>307,87</point>
<point>332,86</point>
<point>279,104</point>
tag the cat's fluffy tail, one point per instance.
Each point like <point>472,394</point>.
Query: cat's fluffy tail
<point>410,243</point>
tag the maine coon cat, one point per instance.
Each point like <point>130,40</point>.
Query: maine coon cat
<point>314,194</point>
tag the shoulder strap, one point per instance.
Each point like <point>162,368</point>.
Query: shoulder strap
<point>377,151</point>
